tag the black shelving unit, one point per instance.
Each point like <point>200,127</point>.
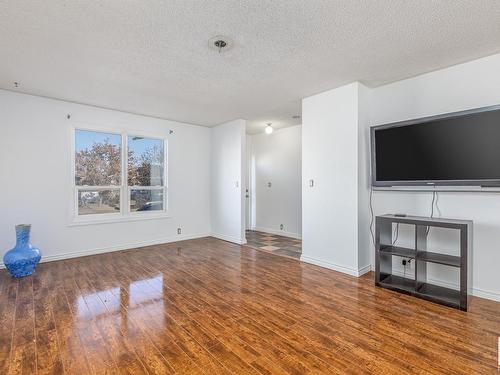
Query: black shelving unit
<point>419,286</point>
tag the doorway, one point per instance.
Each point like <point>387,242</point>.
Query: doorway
<point>274,191</point>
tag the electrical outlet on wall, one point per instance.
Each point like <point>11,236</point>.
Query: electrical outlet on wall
<point>407,263</point>
<point>179,230</point>
<point>282,226</point>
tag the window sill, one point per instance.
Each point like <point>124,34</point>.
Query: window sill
<point>78,221</point>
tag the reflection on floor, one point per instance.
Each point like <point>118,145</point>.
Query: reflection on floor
<point>275,244</point>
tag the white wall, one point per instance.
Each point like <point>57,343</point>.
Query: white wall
<point>35,176</point>
<point>228,157</point>
<point>249,188</point>
<point>465,86</point>
<point>335,154</point>
<point>206,164</point>
<point>277,158</point>
<point>331,128</point>
<point>366,255</point>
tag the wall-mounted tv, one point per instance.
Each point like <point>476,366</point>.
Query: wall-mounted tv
<point>460,149</point>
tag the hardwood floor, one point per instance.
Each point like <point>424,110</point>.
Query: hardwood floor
<point>210,307</point>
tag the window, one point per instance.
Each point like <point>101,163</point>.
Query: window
<point>146,173</point>
<point>118,175</point>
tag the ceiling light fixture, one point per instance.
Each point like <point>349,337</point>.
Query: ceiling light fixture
<point>220,43</point>
<point>269,129</point>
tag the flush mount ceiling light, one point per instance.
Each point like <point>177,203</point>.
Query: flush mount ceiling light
<point>269,129</point>
<point>220,43</point>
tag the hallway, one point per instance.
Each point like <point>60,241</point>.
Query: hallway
<point>273,243</point>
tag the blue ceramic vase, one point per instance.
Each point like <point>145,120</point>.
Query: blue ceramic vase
<point>23,258</point>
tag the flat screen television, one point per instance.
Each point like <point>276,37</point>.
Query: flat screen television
<point>455,149</point>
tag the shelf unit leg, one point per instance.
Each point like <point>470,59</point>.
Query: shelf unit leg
<point>420,266</point>
<point>464,243</point>
<point>383,237</point>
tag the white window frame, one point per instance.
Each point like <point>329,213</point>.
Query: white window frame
<point>164,186</point>
<point>125,213</point>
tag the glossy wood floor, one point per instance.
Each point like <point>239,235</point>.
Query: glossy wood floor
<point>209,307</point>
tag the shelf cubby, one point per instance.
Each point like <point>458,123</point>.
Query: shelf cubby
<point>417,284</point>
<point>436,293</point>
<point>397,282</point>
<point>445,259</point>
<point>398,251</point>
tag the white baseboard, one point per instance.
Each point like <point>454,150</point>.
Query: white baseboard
<point>278,232</point>
<point>237,240</point>
<point>347,270</point>
<point>494,296</point>
<point>365,269</point>
<point>477,292</point>
<point>109,249</point>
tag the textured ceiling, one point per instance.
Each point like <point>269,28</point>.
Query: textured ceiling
<point>151,57</point>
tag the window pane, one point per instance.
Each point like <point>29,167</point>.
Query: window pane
<point>97,158</point>
<point>145,161</point>
<point>146,200</point>
<point>98,202</point>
